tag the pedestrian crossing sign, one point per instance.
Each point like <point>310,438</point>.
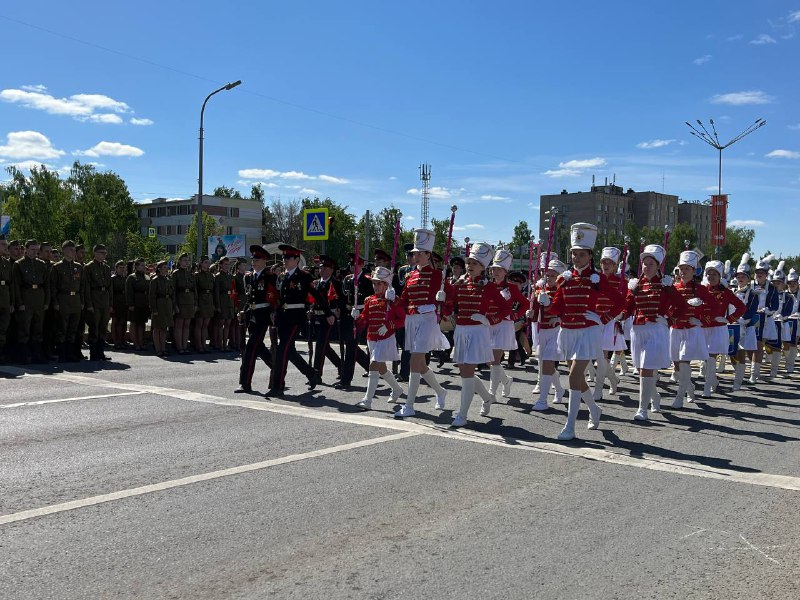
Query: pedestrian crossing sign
<point>315,224</point>
<point>151,232</point>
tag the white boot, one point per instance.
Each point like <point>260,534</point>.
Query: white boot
<point>681,378</point>
<point>494,379</point>
<point>722,360</point>
<point>505,384</point>
<point>544,381</point>
<point>774,362</point>
<point>613,382</point>
<point>487,398</point>
<point>688,384</point>
<point>559,391</point>
<point>407,410</point>
<point>397,391</point>
<point>645,392</point>
<point>612,364</point>
<point>568,433</point>
<point>594,409</point>
<point>537,387</point>
<point>738,376</point>
<point>703,368</point>
<point>623,361</point>
<point>441,394</point>
<point>467,392</point>
<point>790,358</point>
<point>590,372</point>
<point>602,369</point>
<point>372,385</point>
<point>755,371</point>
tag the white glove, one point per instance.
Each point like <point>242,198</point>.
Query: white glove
<point>742,322</point>
<point>479,318</point>
<point>592,316</point>
<point>566,275</point>
<point>778,318</point>
<point>390,295</point>
<point>540,283</point>
<point>694,302</point>
<point>354,313</point>
<point>667,280</point>
<point>722,320</point>
<point>505,294</point>
<point>795,315</point>
<point>426,308</point>
<point>543,299</point>
<point>633,283</point>
<point>440,296</point>
<point>530,314</point>
<point>695,322</point>
<point>662,321</point>
<point>382,330</point>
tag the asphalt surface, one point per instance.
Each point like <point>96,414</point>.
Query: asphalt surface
<point>150,478</point>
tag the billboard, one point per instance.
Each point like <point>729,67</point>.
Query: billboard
<point>719,219</point>
<point>5,224</point>
<point>232,246</point>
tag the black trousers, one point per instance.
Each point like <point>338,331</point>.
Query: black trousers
<point>258,323</point>
<point>287,334</point>
<point>353,352</point>
<point>322,349</point>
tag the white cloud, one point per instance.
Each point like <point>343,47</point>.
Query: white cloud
<point>264,184</point>
<point>258,173</point>
<point>392,178</point>
<point>533,206</point>
<point>562,173</point>
<point>439,193</point>
<point>794,17</point>
<point>763,38</point>
<point>96,108</point>
<point>332,179</point>
<point>735,38</point>
<point>490,197</point>
<point>111,149</point>
<point>295,175</point>
<point>711,188</point>
<point>654,144</point>
<point>293,187</point>
<point>135,121</point>
<point>27,165</point>
<point>410,218</point>
<point>583,164</point>
<point>474,226</point>
<point>794,127</point>
<point>702,59</point>
<point>309,191</point>
<point>29,145</point>
<point>783,154</point>
<point>747,223</point>
<point>742,98</point>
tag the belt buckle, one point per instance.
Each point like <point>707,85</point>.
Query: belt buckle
<point>72,293</point>
<point>35,286</point>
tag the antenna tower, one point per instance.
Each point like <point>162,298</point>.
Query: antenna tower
<point>425,177</point>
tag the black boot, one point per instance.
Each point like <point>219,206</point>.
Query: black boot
<point>101,351</point>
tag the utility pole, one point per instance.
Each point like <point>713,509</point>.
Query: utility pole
<point>425,177</point>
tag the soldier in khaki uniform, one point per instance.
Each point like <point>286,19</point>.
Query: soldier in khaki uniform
<point>80,258</point>
<point>6,296</point>
<point>66,283</point>
<point>185,303</point>
<point>32,297</point>
<point>97,300</point>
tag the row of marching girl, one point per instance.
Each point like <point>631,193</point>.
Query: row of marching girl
<point>582,292</point>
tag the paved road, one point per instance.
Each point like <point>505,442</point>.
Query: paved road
<point>150,479</point>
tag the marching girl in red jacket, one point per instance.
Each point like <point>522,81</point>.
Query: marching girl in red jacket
<point>503,335</point>
<point>715,322</point>
<point>548,327</point>
<point>613,336</point>
<point>381,319</point>
<point>651,300</point>
<point>478,305</point>
<point>579,293</point>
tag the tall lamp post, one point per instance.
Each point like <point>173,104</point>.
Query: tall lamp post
<point>225,88</point>
<point>712,139</point>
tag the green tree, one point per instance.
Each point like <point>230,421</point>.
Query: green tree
<point>521,239</point>
<point>149,248</point>
<point>36,204</point>
<point>210,228</point>
<point>257,193</point>
<point>738,240</point>
<point>227,192</point>
<point>342,235</point>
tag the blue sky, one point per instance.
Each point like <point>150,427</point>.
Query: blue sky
<point>506,101</point>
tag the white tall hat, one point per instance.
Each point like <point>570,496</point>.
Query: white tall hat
<point>744,264</point>
<point>582,236</point>
<point>502,258</point>
<point>763,264</point>
<point>689,257</point>
<point>779,272</point>
<point>423,240</point>
<point>382,273</point>
<point>715,265</point>
<point>654,250</point>
<point>792,275</point>
<point>557,266</point>
<point>611,253</point>
<point>543,259</point>
<point>482,253</point>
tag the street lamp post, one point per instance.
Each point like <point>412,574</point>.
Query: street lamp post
<point>226,87</point>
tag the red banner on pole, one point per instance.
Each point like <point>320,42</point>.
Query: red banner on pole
<point>719,219</point>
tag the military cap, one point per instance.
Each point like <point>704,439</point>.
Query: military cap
<point>381,255</point>
<point>30,243</point>
<point>457,260</point>
<point>327,261</point>
<point>352,257</point>
<point>98,248</point>
<point>289,250</point>
<point>204,258</point>
<point>68,244</point>
<point>408,248</point>
<point>257,251</point>
<point>517,276</point>
<point>13,243</point>
<point>183,255</point>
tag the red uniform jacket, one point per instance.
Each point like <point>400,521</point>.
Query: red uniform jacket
<point>652,299</point>
<point>577,294</point>
<point>724,297</point>
<point>379,311</point>
<point>476,297</point>
<point>420,288</point>
<point>688,291</point>
<point>544,314</point>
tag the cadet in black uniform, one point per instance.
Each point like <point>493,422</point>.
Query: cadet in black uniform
<point>353,352</point>
<point>402,274</point>
<point>258,307</point>
<point>329,289</point>
<point>6,296</point>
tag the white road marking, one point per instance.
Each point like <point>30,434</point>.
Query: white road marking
<point>693,533</point>
<point>760,551</point>
<point>165,485</point>
<point>622,458</point>
<point>97,396</point>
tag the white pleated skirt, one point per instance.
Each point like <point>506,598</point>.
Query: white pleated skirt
<point>383,350</point>
<point>423,334</point>
<point>687,344</point>
<point>613,336</point>
<point>650,346</point>
<point>581,344</point>
<point>717,339</point>
<point>627,326</point>
<point>770,330</point>
<point>748,340</point>
<point>472,345</point>
<point>548,344</point>
<point>503,336</point>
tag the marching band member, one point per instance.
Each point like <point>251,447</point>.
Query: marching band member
<point>791,322</point>
<point>503,336</point>
<point>479,306</point>
<point>651,299</point>
<point>745,331</point>
<point>539,286</point>
<point>516,280</point>
<point>686,339</point>
<point>381,319</point>
<point>421,292</point>
<point>785,308</point>
<point>548,327</point>
<point>729,309</point>
<point>613,336</point>
<point>580,338</point>
<point>767,306</point>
